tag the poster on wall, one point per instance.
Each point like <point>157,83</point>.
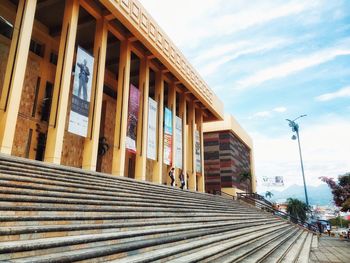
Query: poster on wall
<point>198,152</point>
<point>272,181</point>
<point>133,113</point>
<point>79,113</point>
<point>168,135</point>
<point>178,142</point>
<point>151,131</point>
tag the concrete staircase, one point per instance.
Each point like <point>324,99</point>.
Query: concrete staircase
<point>52,213</point>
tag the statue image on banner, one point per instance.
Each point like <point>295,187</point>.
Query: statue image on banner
<point>79,114</point>
<point>83,78</point>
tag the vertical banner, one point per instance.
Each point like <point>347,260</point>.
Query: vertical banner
<point>178,142</point>
<point>168,135</point>
<point>79,113</point>
<point>133,112</point>
<point>152,128</point>
<point>198,152</point>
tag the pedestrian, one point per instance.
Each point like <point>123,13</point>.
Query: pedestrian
<point>182,180</point>
<point>172,176</point>
<point>328,227</point>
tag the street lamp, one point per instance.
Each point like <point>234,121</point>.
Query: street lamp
<point>295,128</point>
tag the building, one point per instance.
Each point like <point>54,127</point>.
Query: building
<point>228,153</point>
<point>98,85</point>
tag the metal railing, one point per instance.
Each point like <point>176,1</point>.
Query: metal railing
<point>260,202</point>
<point>218,192</point>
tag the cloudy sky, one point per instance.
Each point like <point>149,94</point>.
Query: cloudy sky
<point>269,60</point>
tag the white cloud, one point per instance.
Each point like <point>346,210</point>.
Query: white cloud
<point>293,66</point>
<point>344,92</point>
<point>262,114</point>
<point>280,109</point>
<point>212,59</point>
<point>325,149</point>
<point>189,23</point>
<point>268,113</point>
<point>260,13</point>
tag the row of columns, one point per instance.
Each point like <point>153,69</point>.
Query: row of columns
<point>12,90</point>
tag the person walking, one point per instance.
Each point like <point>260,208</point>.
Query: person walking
<point>182,180</point>
<point>172,176</point>
<point>328,227</point>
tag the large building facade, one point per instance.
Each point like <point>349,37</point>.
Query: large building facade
<point>98,85</point>
<point>228,158</point>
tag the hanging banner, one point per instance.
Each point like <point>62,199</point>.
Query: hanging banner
<point>198,152</point>
<point>133,113</point>
<point>79,113</point>
<point>151,131</point>
<point>272,181</point>
<point>178,142</point>
<point>168,135</point>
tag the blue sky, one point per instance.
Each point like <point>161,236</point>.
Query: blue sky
<point>269,60</point>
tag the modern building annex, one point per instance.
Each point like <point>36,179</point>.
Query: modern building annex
<point>98,85</point>
<point>228,158</point>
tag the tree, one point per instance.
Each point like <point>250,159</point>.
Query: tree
<point>340,190</point>
<point>268,194</point>
<point>297,209</point>
<point>244,177</point>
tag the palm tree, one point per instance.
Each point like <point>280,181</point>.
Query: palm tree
<point>297,209</point>
<point>244,177</point>
<point>268,194</point>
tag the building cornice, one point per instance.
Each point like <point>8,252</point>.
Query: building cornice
<point>141,24</point>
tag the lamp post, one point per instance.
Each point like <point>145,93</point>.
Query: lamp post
<point>295,128</point>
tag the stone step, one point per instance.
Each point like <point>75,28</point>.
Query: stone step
<point>105,251</point>
<point>33,183</point>
<point>85,176</point>
<point>293,253</point>
<point>60,202</point>
<point>305,250</point>
<point>282,250</point>
<point>125,241</point>
<point>13,194</point>
<point>44,231</point>
<point>270,246</point>
<point>233,250</point>
<point>195,250</point>
<point>16,221</point>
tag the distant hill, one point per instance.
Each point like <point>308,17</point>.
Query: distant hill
<point>318,195</point>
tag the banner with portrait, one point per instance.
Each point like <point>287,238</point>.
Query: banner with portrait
<point>272,181</point>
<point>198,152</point>
<point>133,115</point>
<point>79,113</point>
<point>168,135</point>
<point>151,130</point>
<point>178,142</point>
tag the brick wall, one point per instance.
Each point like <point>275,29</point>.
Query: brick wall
<point>225,158</point>
<point>25,121</point>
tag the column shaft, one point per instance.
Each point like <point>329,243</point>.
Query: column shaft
<point>62,84</point>
<point>15,72</point>
<point>91,142</point>
<point>142,125</point>
<point>118,163</point>
<point>201,182</point>
<point>183,116</point>
<point>192,149</point>
<point>159,93</point>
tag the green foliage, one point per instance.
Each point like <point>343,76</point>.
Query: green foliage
<point>339,222</point>
<point>297,209</point>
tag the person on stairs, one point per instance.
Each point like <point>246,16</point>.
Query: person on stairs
<point>172,175</point>
<point>328,227</point>
<point>182,179</point>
